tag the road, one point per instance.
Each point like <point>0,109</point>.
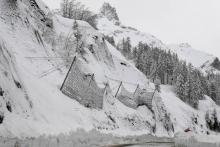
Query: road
<point>147,144</point>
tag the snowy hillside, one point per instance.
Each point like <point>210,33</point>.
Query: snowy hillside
<point>36,106</point>
<point>197,58</point>
<point>184,51</point>
<point>119,31</point>
<point>34,45</point>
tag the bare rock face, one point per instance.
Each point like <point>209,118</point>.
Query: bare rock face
<point>216,64</point>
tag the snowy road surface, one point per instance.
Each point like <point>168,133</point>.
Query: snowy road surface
<point>151,144</point>
<point>155,145</point>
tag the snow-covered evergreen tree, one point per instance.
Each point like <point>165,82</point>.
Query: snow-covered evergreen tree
<point>187,90</point>
<point>126,47</point>
<point>111,40</point>
<point>180,87</point>
<point>213,91</point>
<point>65,8</point>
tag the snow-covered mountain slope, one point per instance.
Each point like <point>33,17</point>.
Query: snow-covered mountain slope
<point>32,70</point>
<point>183,116</point>
<point>197,58</point>
<point>31,85</point>
<point>184,51</point>
<point>119,31</point>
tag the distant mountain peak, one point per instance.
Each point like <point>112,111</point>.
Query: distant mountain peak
<point>185,45</point>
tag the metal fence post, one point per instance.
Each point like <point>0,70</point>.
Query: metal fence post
<point>118,89</point>
<point>136,90</point>
<point>68,73</point>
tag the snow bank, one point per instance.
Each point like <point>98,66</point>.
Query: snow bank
<point>195,140</point>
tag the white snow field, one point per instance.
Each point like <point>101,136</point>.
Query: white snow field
<point>199,59</point>
<point>193,140</point>
<point>32,71</point>
<point>81,138</point>
<point>195,57</point>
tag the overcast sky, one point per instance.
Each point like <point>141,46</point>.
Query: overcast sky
<point>172,21</point>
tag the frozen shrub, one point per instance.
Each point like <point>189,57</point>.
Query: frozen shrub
<point>1,92</point>
<point>17,84</point>
<point>8,106</point>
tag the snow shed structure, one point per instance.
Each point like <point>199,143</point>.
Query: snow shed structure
<point>82,87</point>
<point>138,98</point>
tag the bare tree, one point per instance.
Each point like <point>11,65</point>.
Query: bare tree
<point>75,10</point>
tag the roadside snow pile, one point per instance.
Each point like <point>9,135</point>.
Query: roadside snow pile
<point>195,140</point>
<point>80,138</point>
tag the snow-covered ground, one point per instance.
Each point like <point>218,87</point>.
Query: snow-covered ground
<point>187,53</point>
<point>195,140</point>
<point>32,85</point>
<point>80,138</point>
<point>38,107</point>
<point>183,116</point>
<point>119,32</point>
<point>198,59</point>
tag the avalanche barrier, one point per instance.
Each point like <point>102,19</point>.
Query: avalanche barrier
<point>127,98</point>
<point>82,87</point>
<point>144,98</point>
<point>138,98</point>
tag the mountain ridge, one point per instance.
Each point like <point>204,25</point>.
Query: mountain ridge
<point>184,50</point>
